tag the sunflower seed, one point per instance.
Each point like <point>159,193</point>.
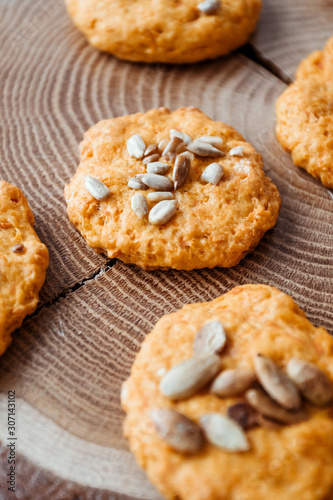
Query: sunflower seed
<point>201,148</point>
<point>160,196</point>
<point>224,432</point>
<point>136,183</point>
<point>313,383</point>
<point>190,376</point>
<point>184,137</point>
<point>19,248</point>
<point>153,148</point>
<point>158,167</point>
<point>96,188</point>
<point>188,155</point>
<point>158,182</point>
<point>162,145</point>
<point>238,151</point>
<point>139,205</point>
<point>139,176</point>
<point>244,414</point>
<point>181,433</point>
<point>181,170</point>
<point>162,212</point>
<point>210,339</point>
<point>268,408</point>
<point>217,142</point>
<point>231,383</point>
<point>181,148</point>
<point>209,6</point>
<point>136,146</point>
<point>172,145</point>
<point>169,157</point>
<point>212,174</point>
<point>151,158</point>
<point>276,383</point>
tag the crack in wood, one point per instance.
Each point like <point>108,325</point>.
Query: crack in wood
<point>256,56</point>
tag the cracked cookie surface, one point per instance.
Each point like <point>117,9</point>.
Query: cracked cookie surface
<point>164,31</point>
<point>23,262</point>
<point>305,116</point>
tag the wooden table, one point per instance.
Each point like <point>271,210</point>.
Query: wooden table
<point>68,360</point>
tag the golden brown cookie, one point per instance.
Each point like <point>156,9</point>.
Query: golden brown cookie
<point>305,115</point>
<point>213,225</point>
<point>23,262</point>
<point>165,31</point>
<point>283,462</point>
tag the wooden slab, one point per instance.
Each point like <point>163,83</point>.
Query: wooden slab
<point>68,361</point>
<point>289,30</point>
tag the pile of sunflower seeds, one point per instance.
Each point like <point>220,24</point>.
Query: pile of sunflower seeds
<point>179,149</point>
<point>270,396</point>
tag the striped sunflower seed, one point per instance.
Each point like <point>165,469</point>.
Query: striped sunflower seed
<point>237,151</point>
<point>160,196</point>
<point>181,170</point>
<point>139,205</point>
<point>136,183</point>
<point>158,167</point>
<point>210,339</point>
<point>244,414</point>
<point>181,433</point>
<point>268,408</point>
<point>215,141</point>
<point>202,148</point>
<point>136,146</point>
<point>157,182</point>
<point>313,383</point>
<point>276,383</point>
<point>151,149</point>
<point>162,145</point>
<point>151,158</point>
<point>212,174</point>
<point>176,133</point>
<point>172,145</point>
<point>96,188</point>
<point>231,383</point>
<point>162,212</point>
<point>189,377</point>
<point>224,432</point>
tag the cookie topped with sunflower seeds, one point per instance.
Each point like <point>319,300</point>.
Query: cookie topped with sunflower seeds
<point>169,189</point>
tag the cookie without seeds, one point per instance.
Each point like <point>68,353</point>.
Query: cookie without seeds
<point>305,115</point>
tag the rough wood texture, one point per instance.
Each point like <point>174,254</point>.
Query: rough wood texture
<point>67,362</point>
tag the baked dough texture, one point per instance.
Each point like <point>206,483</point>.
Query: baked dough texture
<point>22,274</point>
<point>213,225</point>
<point>292,462</point>
<point>305,115</point>
<point>168,31</point>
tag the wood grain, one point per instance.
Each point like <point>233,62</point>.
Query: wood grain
<point>289,30</point>
<point>68,361</point>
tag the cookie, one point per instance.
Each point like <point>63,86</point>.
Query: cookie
<point>305,116</point>
<point>248,452</point>
<point>23,262</point>
<point>221,208</point>
<point>166,31</point>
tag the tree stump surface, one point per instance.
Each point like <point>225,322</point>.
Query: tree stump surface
<point>68,360</point>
